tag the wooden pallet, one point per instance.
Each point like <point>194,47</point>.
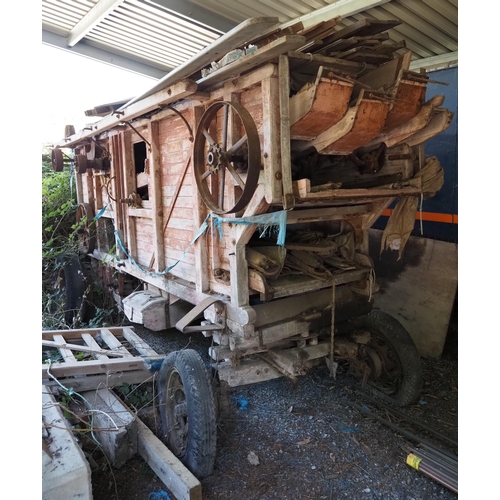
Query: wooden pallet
<point>117,355</point>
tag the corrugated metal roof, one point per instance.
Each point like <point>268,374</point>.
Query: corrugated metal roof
<point>162,34</point>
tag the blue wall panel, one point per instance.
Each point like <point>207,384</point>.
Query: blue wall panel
<point>445,147</point>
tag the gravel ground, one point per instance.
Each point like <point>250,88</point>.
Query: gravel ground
<point>309,440</point>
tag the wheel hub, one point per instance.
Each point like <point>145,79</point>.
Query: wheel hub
<point>214,157</point>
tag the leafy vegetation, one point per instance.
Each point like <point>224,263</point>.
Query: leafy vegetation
<point>59,208</point>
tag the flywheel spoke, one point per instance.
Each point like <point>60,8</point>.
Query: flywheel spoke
<point>208,137</point>
<point>237,145</point>
<point>235,174</point>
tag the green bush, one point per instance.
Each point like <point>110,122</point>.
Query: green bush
<point>59,207</point>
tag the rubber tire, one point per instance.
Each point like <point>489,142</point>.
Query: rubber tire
<point>70,272</point>
<point>399,340</point>
<point>199,455</point>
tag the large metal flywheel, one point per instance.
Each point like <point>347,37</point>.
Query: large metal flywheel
<point>216,161</point>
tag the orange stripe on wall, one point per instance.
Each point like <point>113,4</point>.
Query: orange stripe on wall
<point>430,216</point>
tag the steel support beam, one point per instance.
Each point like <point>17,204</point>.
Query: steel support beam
<point>343,8</point>
<point>435,62</point>
<point>93,17</point>
<point>104,56</point>
<point>198,13</point>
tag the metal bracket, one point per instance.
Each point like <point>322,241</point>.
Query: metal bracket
<point>182,324</point>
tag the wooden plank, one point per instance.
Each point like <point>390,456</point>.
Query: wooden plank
<point>286,162</point>
<point>201,250</point>
<point>66,353</point>
<point>118,437</point>
<point>66,472</point>
<point>89,340</point>
<point>325,214</point>
<point>113,343</point>
<point>298,60</point>
<point>75,333</point>
<point>129,236</point>
<point>156,196</point>
<point>248,372</point>
<point>249,61</point>
<point>297,284</point>
<point>271,144</point>
<point>81,348</point>
<point>174,475</point>
<point>94,367</point>
<point>106,380</point>
<point>365,27</point>
<point>320,30</point>
<point>166,96</point>
<point>384,76</point>
<point>356,41</point>
<point>412,186</point>
<point>139,344</point>
<point>237,37</point>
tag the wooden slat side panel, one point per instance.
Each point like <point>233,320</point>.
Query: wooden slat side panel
<point>182,270</point>
<point>144,241</point>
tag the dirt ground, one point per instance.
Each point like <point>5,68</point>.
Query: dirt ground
<point>319,439</point>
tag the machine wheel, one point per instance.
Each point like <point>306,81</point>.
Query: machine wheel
<point>187,409</point>
<point>57,160</point>
<point>395,373</point>
<point>212,160</point>
<point>70,281</point>
<point>81,164</point>
<point>85,228</point>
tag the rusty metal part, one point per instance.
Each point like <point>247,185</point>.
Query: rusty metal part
<point>183,324</point>
<point>399,414</point>
<point>69,130</point>
<point>371,162</point>
<point>402,431</point>
<point>85,231</point>
<point>81,163</point>
<point>139,134</point>
<point>211,159</point>
<point>57,160</point>
<point>181,116</point>
<point>132,200</point>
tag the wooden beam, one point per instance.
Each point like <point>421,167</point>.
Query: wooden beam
<point>271,143</point>
<point>240,35</point>
<point>156,195</point>
<point>104,380</point>
<point>286,163</point>
<point>174,475</point>
<point>81,348</point>
<point>326,214</point>
<point>91,19</point>
<point>179,90</point>
<point>118,434</point>
<point>94,367</point>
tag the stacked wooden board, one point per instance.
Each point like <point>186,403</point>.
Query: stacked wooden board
<point>350,86</point>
